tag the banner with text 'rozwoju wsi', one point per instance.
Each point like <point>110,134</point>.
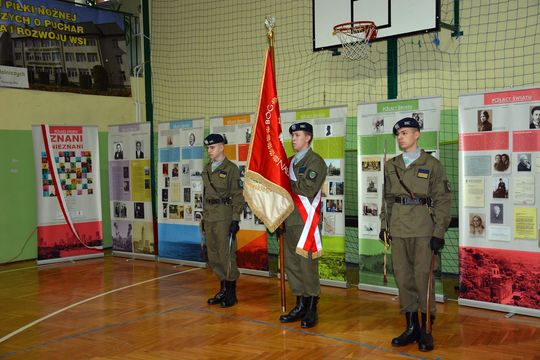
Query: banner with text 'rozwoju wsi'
<point>52,45</point>
<point>68,192</point>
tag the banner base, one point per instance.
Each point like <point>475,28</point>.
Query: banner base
<point>499,307</point>
<point>134,255</point>
<point>254,272</point>
<point>334,283</point>
<point>182,262</point>
<point>325,282</point>
<point>393,291</point>
<point>71,258</point>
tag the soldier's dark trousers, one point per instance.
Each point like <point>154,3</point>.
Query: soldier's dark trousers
<point>302,273</point>
<point>411,258</point>
<point>219,254</point>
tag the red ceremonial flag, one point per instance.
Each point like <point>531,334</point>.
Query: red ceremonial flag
<point>266,184</point>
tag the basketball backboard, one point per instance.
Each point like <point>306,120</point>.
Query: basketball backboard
<point>394,18</point>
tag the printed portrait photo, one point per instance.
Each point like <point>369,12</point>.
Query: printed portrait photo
<point>477,225</point>
<point>496,213</point>
<point>501,162</point>
<point>524,162</point>
<point>484,120</point>
<point>500,187</point>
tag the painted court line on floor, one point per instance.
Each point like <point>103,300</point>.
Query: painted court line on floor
<point>213,313</point>
<point>12,270</point>
<point>91,331</point>
<point>307,332</point>
<point>10,335</point>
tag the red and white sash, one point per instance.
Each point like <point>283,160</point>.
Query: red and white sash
<point>311,214</point>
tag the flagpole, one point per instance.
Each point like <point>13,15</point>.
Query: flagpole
<point>270,23</point>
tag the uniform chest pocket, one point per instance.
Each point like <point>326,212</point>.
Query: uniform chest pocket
<point>220,180</point>
<point>419,179</point>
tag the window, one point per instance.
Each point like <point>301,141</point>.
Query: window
<point>37,56</point>
<point>29,56</point>
<point>84,71</point>
<point>91,42</point>
<point>72,72</point>
<point>46,56</point>
<point>119,59</point>
<point>92,57</point>
<point>70,57</point>
<point>81,57</point>
<point>18,56</point>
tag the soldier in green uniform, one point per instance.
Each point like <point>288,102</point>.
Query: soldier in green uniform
<point>308,172</point>
<point>223,202</point>
<point>417,197</point>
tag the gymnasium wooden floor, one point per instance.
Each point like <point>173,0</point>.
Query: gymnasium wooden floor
<point>112,308</point>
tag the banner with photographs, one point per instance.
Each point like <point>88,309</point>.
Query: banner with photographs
<point>499,173</point>
<point>375,131</point>
<point>130,190</point>
<point>54,45</point>
<point>329,142</point>
<point>180,190</point>
<point>252,242</point>
<point>68,192</point>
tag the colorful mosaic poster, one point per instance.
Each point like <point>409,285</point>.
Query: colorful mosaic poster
<point>68,192</point>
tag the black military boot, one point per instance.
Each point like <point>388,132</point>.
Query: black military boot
<point>310,319</point>
<point>219,296</point>
<point>411,333</point>
<point>297,312</point>
<point>230,294</point>
<point>426,340</point>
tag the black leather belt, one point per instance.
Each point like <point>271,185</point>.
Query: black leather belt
<point>404,200</point>
<point>218,201</point>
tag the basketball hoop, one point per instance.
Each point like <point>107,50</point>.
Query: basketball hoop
<point>355,37</point>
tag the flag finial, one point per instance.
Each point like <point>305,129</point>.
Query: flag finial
<point>270,22</point>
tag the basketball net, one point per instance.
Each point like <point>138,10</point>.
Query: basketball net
<point>355,37</point>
